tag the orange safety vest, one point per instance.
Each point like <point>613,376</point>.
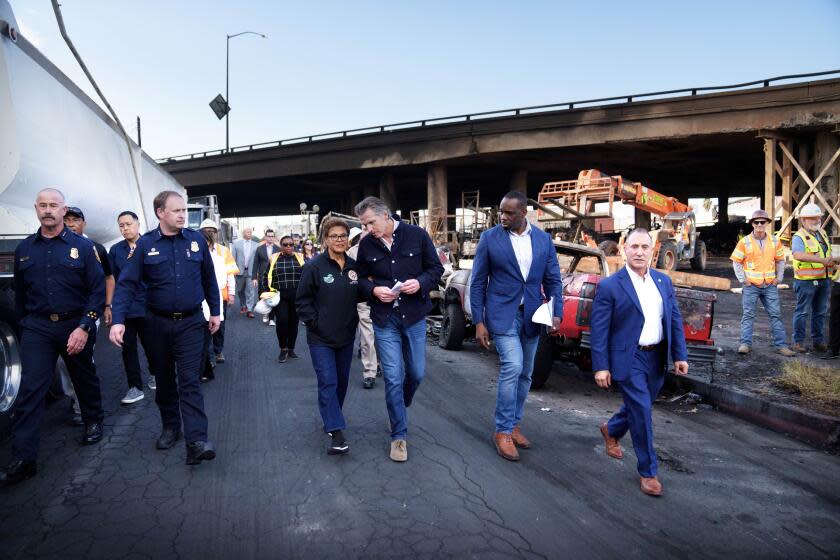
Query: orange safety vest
<point>810,270</point>
<point>759,262</point>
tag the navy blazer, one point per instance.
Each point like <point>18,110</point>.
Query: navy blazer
<point>497,286</point>
<point>412,255</point>
<point>617,322</point>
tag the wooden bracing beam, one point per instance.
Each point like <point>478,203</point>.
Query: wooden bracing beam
<point>812,185</point>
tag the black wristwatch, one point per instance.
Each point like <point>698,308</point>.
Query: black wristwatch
<point>85,327</point>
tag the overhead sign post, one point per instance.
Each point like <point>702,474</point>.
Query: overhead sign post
<point>220,106</point>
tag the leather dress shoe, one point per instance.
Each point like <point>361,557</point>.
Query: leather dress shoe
<point>167,438</point>
<point>17,471</point>
<point>519,440</point>
<point>651,486</point>
<point>505,446</point>
<point>369,382</point>
<point>199,451</point>
<point>611,443</point>
<point>93,433</point>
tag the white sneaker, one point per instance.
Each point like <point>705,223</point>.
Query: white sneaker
<point>265,318</point>
<point>152,383</point>
<point>271,323</point>
<point>133,395</point>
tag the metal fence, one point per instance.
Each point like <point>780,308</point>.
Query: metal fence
<point>521,111</point>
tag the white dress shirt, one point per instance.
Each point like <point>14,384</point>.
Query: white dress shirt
<point>522,249</point>
<point>651,301</point>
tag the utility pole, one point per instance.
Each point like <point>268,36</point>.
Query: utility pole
<point>139,137</point>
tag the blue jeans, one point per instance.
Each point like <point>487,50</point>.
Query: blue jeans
<point>769,297</point>
<point>332,366</point>
<point>516,353</point>
<point>811,299</point>
<point>639,392</point>
<point>402,351</point>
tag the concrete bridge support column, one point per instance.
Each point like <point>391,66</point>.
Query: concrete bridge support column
<point>519,181</point>
<point>387,191</point>
<point>438,203</point>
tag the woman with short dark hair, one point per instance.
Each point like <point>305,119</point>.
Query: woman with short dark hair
<point>326,303</point>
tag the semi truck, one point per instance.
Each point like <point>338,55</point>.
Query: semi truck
<point>53,135</point>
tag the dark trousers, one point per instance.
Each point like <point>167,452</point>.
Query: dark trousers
<point>219,335</point>
<point>639,392</point>
<point>130,355</point>
<point>834,319</point>
<point>286,320</point>
<point>178,346</point>
<point>332,366</point>
<point>41,343</point>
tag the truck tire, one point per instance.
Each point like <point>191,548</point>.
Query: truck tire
<point>698,261</point>
<point>667,256</point>
<point>543,361</point>
<point>452,327</point>
<point>608,247</point>
<point>10,371</point>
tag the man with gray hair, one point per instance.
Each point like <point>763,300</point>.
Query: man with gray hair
<point>397,267</point>
<point>243,253</point>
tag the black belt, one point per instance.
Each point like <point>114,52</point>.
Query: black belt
<point>175,316</point>
<point>56,317</point>
<point>649,347</point>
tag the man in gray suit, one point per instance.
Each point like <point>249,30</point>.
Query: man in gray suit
<point>243,252</point>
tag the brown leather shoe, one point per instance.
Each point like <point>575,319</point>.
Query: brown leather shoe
<point>520,440</point>
<point>799,348</point>
<point>611,443</point>
<point>505,446</point>
<point>651,486</point>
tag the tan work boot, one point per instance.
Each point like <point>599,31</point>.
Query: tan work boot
<point>651,486</point>
<point>399,450</point>
<point>743,349</point>
<point>785,351</point>
<point>798,348</point>
<point>505,446</point>
<point>519,440</point>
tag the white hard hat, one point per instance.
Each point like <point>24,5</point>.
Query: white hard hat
<point>810,211</point>
<point>354,232</point>
<point>208,223</point>
<point>268,300</point>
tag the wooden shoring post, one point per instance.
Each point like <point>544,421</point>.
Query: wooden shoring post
<point>787,181</point>
<point>812,187</point>
<point>770,178</point>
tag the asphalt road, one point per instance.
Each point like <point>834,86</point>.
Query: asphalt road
<point>731,489</point>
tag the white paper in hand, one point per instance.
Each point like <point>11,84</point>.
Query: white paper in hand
<point>395,289</point>
<point>544,315</point>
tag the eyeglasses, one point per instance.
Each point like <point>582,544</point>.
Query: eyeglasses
<point>287,244</point>
<point>760,222</point>
<point>342,237</point>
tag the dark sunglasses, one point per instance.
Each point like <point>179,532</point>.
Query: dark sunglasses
<point>287,244</point>
<point>760,222</point>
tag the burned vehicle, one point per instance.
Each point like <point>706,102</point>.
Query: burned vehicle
<point>581,267</point>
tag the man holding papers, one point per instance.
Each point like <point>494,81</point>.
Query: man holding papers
<point>514,270</point>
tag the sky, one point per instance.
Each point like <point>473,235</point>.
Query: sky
<point>334,65</point>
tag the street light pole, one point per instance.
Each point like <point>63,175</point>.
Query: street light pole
<point>227,83</point>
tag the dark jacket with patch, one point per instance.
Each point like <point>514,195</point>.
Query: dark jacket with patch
<point>326,301</point>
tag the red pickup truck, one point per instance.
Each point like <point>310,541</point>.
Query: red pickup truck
<point>581,268</point>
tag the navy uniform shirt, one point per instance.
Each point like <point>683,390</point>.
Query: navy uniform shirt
<point>118,255</point>
<point>177,271</point>
<point>61,274</point>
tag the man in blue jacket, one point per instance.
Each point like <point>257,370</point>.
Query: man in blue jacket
<point>398,266</point>
<point>636,326</point>
<point>515,264</point>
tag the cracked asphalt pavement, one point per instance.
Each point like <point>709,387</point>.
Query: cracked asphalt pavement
<point>731,489</point>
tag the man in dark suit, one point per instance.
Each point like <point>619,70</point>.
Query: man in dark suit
<point>636,326</point>
<point>514,265</point>
<point>262,261</point>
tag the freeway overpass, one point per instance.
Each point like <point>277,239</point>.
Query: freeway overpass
<point>701,142</point>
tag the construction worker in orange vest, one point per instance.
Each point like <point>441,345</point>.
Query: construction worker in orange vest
<point>813,268</point>
<point>759,264</point>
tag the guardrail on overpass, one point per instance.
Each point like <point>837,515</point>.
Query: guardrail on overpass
<point>566,105</point>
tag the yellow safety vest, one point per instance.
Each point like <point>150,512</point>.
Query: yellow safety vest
<point>274,257</point>
<point>759,263</point>
<point>810,270</point>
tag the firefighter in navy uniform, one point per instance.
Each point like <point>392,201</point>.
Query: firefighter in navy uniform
<point>59,295</point>
<point>174,264</point>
